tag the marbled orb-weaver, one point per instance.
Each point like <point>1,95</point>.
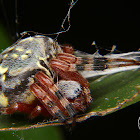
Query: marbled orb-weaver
<point>29,84</point>
<point>41,77</point>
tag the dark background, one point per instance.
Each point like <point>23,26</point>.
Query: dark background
<point>106,22</point>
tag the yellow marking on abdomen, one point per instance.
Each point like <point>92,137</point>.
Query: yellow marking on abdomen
<point>24,56</point>
<point>4,56</point>
<point>28,51</point>
<point>20,49</point>
<point>3,100</point>
<point>3,70</point>
<point>14,55</point>
<point>3,77</point>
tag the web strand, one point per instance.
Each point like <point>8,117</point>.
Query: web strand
<point>62,28</point>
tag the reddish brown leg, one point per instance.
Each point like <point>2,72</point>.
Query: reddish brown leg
<point>33,110</point>
<point>20,107</point>
<point>65,71</point>
<point>51,98</point>
<point>47,102</point>
<point>39,110</point>
<point>67,49</point>
<point>53,92</point>
<point>63,65</point>
<point>67,57</point>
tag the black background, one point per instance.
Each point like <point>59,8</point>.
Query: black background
<point>107,23</point>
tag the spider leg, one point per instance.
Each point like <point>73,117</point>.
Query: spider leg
<point>68,57</point>
<point>19,107</point>
<point>33,109</point>
<point>47,102</point>
<point>51,98</point>
<point>67,48</point>
<point>65,70</point>
<point>63,65</point>
<point>48,85</point>
<point>35,112</point>
<point>39,110</point>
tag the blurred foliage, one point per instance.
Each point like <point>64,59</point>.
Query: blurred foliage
<point>4,38</point>
<point>49,133</point>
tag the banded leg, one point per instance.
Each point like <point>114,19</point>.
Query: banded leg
<point>62,66</point>
<point>47,102</point>
<point>90,63</point>
<point>48,93</point>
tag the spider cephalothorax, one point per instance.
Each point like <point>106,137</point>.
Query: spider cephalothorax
<point>36,78</point>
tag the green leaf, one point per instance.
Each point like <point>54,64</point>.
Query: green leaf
<point>115,91</point>
<point>109,94</point>
<point>50,133</point>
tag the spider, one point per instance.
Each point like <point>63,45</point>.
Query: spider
<point>40,80</point>
<point>41,77</point>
